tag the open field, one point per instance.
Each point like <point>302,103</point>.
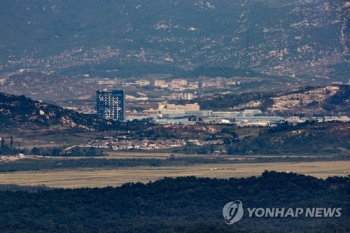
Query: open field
<point>248,131</point>
<point>75,178</point>
<point>164,155</point>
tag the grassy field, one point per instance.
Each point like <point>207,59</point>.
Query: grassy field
<point>164,155</point>
<point>100,178</point>
<point>248,131</point>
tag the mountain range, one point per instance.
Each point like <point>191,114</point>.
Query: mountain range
<point>294,38</point>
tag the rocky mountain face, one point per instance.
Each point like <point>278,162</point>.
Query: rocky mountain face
<point>295,38</point>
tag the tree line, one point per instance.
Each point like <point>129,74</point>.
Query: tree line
<point>185,204</point>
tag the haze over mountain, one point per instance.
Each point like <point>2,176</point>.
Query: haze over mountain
<point>303,38</point>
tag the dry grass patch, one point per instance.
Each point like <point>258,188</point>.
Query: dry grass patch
<point>117,177</point>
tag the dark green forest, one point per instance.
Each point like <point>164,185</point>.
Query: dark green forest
<point>186,204</point>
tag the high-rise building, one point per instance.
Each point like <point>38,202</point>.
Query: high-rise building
<point>110,105</point>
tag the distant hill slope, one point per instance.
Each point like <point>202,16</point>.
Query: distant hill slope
<point>45,87</point>
<point>334,99</point>
<point>310,100</point>
<point>22,112</point>
<point>110,38</point>
<point>305,138</point>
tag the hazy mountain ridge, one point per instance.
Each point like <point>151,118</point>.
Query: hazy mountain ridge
<point>102,38</point>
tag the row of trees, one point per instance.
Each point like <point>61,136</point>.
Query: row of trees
<point>60,151</point>
<point>8,149</point>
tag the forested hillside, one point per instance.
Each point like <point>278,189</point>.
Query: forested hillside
<point>185,204</point>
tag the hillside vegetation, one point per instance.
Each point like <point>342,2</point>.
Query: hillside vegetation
<point>186,204</point>
<point>305,138</point>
